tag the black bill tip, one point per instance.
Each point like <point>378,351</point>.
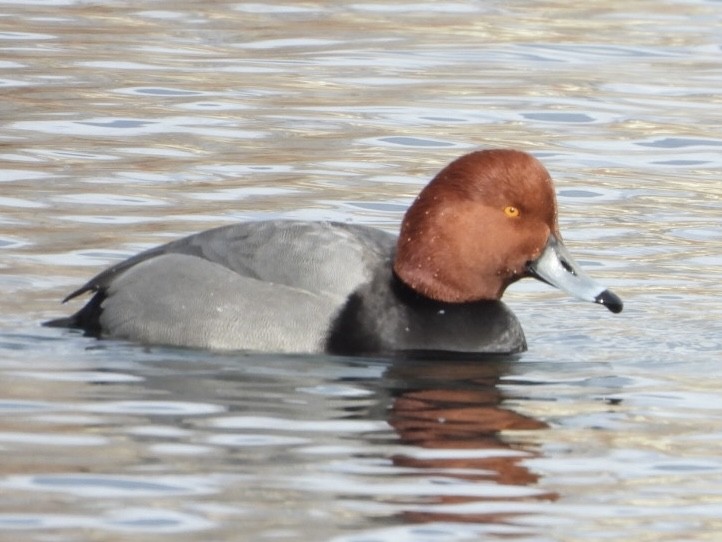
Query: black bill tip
<point>610,300</point>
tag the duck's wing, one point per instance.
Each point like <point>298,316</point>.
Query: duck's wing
<point>321,257</point>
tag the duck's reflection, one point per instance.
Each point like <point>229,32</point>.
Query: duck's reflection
<point>459,450</point>
<point>453,411</point>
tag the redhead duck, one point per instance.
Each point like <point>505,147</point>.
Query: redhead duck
<point>485,221</point>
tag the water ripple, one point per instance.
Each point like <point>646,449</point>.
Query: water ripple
<point>105,127</point>
<point>93,485</point>
<point>155,408</point>
<point>138,520</point>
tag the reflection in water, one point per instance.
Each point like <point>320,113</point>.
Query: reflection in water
<point>428,437</point>
<point>457,408</point>
<point>424,440</point>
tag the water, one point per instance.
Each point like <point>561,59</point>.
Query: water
<point>126,124</point>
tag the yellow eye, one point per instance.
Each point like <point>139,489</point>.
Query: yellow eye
<point>511,211</point>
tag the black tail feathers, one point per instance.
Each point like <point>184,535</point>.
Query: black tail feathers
<point>87,318</point>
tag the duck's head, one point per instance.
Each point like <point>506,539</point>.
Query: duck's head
<point>485,221</point>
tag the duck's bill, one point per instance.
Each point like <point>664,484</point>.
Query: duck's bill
<point>556,266</point>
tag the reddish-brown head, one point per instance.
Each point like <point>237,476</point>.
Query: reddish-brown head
<point>475,226</point>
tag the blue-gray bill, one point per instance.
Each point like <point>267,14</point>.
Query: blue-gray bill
<point>556,267</point>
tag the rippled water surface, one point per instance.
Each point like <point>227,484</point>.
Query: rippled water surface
<point>125,124</point>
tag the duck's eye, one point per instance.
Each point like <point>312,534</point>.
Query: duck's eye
<point>511,211</point>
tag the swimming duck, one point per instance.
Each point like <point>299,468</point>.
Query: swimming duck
<point>488,219</point>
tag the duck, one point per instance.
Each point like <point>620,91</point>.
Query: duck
<point>486,220</point>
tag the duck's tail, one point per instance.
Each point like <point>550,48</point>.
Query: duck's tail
<point>87,318</point>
